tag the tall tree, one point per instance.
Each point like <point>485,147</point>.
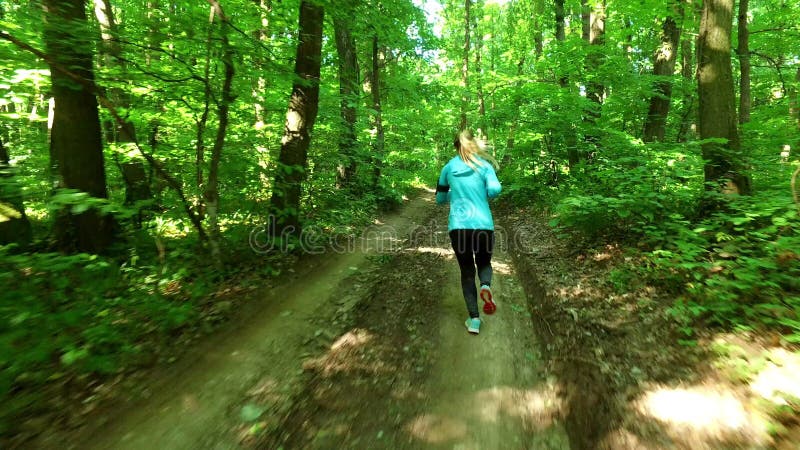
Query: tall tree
<point>211,192</point>
<point>655,124</point>
<point>134,174</point>
<point>482,123</point>
<point>593,29</point>
<point>300,118</point>
<point>573,155</point>
<point>465,67</point>
<point>377,119</point>
<point>560,20</point>
<point>76,140</point>
<point>717,114</point>
<point>538,29</point>
<point>260,82</point>
<point>594,32</point>
<point>794,108</point>
<point>687,102</point>
<point>743,50</point>
<point>348,92</point>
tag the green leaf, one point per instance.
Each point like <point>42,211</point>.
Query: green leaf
<point>72,356</point>
<point>81,208</point>
<point>250,412</point>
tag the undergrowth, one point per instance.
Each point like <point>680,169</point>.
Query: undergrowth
<point>736,267</point>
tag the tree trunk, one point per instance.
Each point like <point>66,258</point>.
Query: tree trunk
<point>300,118</point>
<point>512,130</point>
<point>596,37</point>
<point>572,149</point>
<point>538,32</point>
<point>656,123</point>
<point>560,20</point>
<point>743,49</point>
<point>794,106</point>
<point>76,136</point>
<point>261,35</point>
<point>202,122</point>
<point>560,33</point>
<point>137,187</point>
<point>462,125</point>
<point>375,89</point>
<point>586,21</point>
<point>593,31</point>
<point>211,194</point>
<point>717,114</point>
<point>482,124</point>
<point>348,91</point>
<point>627,46</point>
<point>155,37</point>
<point>14,225</point>
<point>687,103</point>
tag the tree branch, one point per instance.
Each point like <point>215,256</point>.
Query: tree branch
<point>777,67</point>
<point>769,30</point>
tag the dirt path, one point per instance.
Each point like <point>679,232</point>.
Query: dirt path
<point>406,374</point>
<point>362,349</point>
<point>487,391</point>
<point>200,401</point>
<point>366,348</point>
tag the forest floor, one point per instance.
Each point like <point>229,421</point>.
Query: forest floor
<point>366,348</point>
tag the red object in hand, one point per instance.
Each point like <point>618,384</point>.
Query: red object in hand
<point>489,307</point>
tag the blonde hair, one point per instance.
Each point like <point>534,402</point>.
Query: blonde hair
<point>470,149</point>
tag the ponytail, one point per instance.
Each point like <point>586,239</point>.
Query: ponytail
<point>470,149</point>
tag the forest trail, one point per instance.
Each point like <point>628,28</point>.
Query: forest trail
<point>408,375</point>
<point>488,391</point>
<point>198,400</point>
<point>367,348</point>
<point>358,349</point>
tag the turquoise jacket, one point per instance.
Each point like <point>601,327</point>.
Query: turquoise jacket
<point>468,190</point>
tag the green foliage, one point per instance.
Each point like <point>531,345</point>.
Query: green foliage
<point>65,316</point>
<point>736,267</point>
<point>740,267</point>
<point>72,315</point>
<point>633,189</point>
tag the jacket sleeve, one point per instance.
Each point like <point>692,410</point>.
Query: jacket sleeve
<point>493,186</point>
<point>442,187</point>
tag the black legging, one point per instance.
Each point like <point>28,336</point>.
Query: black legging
<point>479,243</point>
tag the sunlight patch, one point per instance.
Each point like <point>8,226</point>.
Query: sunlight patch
<point>502,268</point>
<point>780,379</point>
<point>695,408</point>
<point>446,252</point>
<point>702,414</point>
<point>347,354</point>
<point>352,338</point>
<point>435,429</point>
<point>536,408</point>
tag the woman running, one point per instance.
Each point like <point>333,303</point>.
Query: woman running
<point>468,181</point>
